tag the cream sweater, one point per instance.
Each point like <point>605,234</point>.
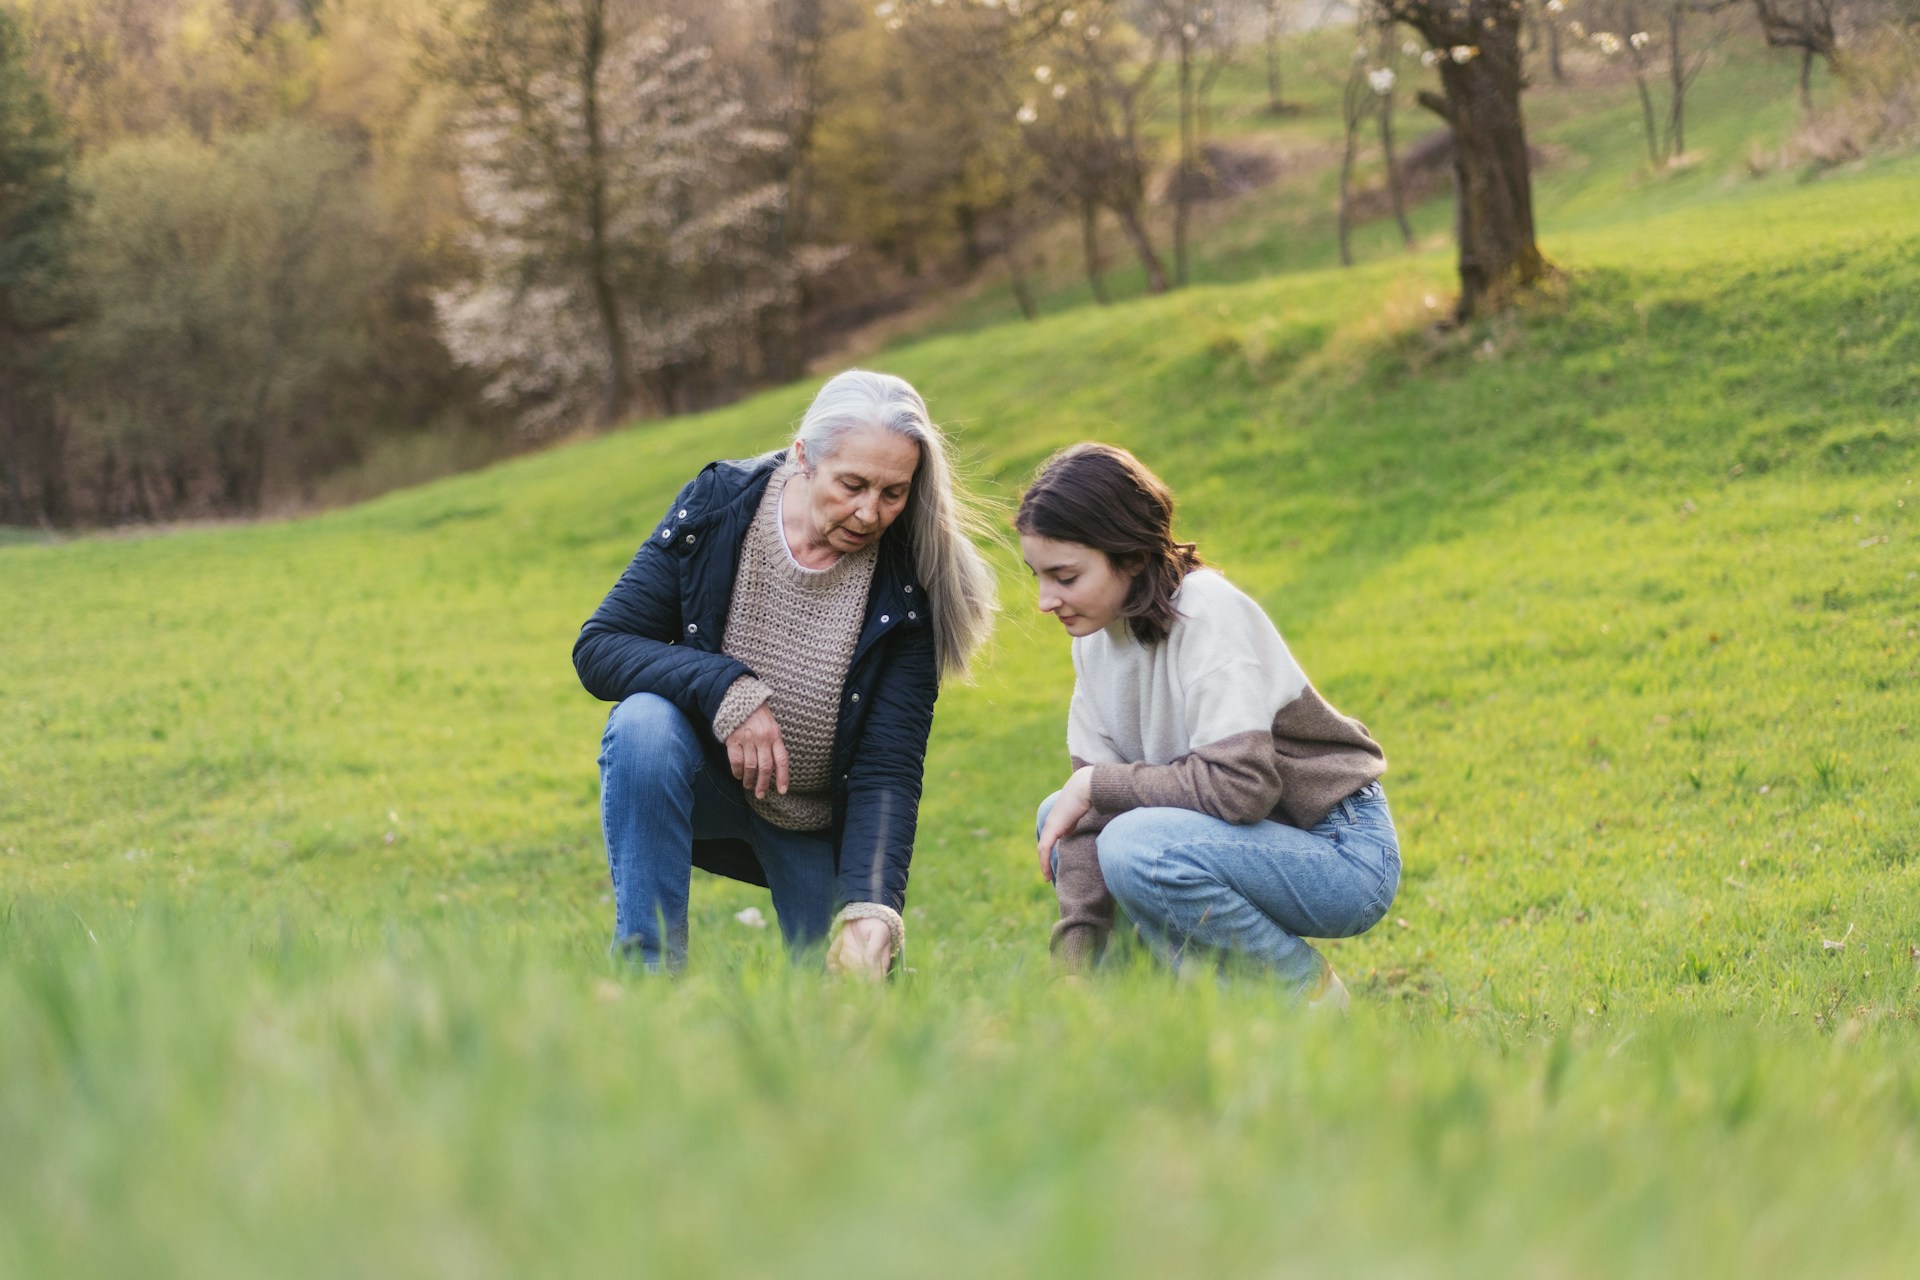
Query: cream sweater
<point>1218,718</point>
<point>795,628</point>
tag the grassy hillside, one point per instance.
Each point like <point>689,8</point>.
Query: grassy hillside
<point>1592,171</point>
<point>302,953</point>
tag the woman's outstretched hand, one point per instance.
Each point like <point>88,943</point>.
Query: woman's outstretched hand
<point>863,948</point>
<point>1076,798</point>
<point>758,754</point>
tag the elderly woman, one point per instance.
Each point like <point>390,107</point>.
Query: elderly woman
<point>775,649</point>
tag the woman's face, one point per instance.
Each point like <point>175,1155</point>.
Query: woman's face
<point>1078,584</point>
<point>854,495</point>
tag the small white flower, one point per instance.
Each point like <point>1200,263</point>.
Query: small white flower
<point>1409,48</point>
<point>1043,73</point>
<point>1464,53</point>
<point>751,918</point>
<point>1639,39</point>
<point>1579,31</point>
<point>1381,78</point>
<point>1068,17</point>
<point>1609,43</point>
<point>1026,114</point>
<point>1554,6</point>
<point>884,9</point>
<point>1059,92</point>
<point>1190,31</point>
<point>1430,58</point>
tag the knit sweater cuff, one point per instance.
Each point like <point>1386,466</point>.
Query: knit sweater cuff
<point>1113,790</point>
<point>896,926</point>
<point>742,699</point>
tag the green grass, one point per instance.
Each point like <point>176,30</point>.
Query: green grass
<point>302,899</point>
<point>1595,172</point>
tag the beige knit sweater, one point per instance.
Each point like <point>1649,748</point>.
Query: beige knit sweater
<point>795,628</point>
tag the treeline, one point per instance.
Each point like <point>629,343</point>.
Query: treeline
<point>246,245</point>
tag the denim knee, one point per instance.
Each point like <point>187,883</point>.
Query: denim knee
<point>1129,856</point>
<point>651,733</point>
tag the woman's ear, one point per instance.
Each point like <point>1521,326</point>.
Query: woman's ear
<point>799,454</point>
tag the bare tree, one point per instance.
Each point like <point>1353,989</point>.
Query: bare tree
<point>1086,113</point>
<point>620,209</point>
<point>1274,16</point>
<point>1806,25</point>
<point>1199,39</point>
<point>1356,104</point>
<point>1476,46</point>
<point>1384,80</point>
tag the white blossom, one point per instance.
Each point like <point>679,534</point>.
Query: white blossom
<point>1639,39</point>
<point>1059,92</point>
<point>1609,43</point>
<point>1026,114</point>
<point>1381,78</point>
<point>1463,53</point>
<point>1430,58</point>
<point>1409,48</point>
<point>1043,73</point>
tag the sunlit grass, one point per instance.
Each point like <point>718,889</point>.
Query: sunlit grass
<point>302,899</point>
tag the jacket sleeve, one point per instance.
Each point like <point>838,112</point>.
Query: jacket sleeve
<point>1235,778</point>
<point>631,644</point>
<point>889,763</point>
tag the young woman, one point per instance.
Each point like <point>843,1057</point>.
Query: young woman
<point>1214,792</point>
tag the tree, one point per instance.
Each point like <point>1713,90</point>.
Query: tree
<point>1806,25</point>
<point>1476,46</point>
<point>1273,24</point>
<point>231,287</point>
<point>1199,36</point>
<point>37,205</point>
<point>621,225</point>
<point>1085,118</point>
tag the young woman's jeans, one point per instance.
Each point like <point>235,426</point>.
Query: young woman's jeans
<point>658,794</point>
<point>1194,883</point>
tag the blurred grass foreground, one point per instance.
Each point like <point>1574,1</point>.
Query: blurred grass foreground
<point>302,901</point>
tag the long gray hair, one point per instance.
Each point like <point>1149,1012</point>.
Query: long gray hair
<point>940,518</point>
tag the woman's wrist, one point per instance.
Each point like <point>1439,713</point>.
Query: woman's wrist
<point>880,913</point>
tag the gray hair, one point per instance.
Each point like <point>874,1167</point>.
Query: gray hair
<point>941,519</point>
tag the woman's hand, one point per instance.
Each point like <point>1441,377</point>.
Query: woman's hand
<point>758,754</point>
<point>863,948</point>
<point>1076,798</point>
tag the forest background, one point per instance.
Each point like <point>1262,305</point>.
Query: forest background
<point>265,255</point>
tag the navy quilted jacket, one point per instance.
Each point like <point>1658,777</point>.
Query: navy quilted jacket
<point>659,631</point>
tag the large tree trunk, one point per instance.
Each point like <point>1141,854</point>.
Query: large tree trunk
<point>1492,179</point>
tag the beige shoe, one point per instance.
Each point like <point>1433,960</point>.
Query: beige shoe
<point>1329,995</point>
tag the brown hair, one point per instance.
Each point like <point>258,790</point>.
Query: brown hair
<point>1103,497</point>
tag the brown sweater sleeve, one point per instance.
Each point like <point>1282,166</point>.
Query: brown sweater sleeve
<point>1236,779</point>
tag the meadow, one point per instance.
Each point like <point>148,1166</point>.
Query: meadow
<point>303,906</point>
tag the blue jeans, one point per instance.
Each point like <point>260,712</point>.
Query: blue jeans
<point>658,794</point>
<point>1194,883</point>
